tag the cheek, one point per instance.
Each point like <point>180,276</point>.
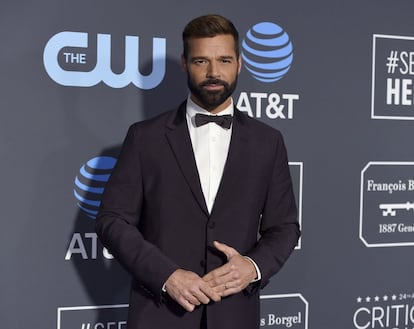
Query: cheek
<point>232,75</point>
<point>196,75</point>
<point>231,72</point>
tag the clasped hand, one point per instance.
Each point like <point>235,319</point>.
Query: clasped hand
<point>190,290</point>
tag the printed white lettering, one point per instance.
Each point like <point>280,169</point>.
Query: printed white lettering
<point>87,250</point>
<point>275,106</point>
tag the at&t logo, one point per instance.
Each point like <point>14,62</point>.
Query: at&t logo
<point>90,183</point>
<point>102,72</point>
<point>89,186</point>
<point>267,54</point>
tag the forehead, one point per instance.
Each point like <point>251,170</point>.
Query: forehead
<point>219,45</point>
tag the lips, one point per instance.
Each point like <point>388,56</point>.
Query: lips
<point>213,86</point>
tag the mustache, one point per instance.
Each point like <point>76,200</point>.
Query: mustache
<point>213,82</point>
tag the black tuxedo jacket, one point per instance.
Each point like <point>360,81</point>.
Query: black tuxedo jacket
<point>154,220</point>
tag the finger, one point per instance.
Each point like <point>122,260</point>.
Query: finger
<point>201,297</point>
<point>194,299</point>
<point>231,288</point>
<point>229,291</point>
<point>225,249</point>
<point>218,275</point>
<point>187,305</point>
<point>184,287</point>
<point>211,293</point>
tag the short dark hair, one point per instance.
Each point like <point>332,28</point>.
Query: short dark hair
<point>209,26</point>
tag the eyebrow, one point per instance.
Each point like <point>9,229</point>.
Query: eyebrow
<point>220,57</point>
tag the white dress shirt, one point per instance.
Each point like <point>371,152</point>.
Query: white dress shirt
<point>210,146</point>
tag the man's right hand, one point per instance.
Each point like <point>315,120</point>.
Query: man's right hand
<point>189,289</point>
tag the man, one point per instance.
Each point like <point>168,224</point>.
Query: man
<point>188,198</point>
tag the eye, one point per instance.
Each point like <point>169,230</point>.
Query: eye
<point>199,61</point>
<point>226,60</point>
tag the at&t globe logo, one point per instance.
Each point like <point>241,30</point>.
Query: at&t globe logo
<point>89,186</point>
<point>267,52</point>
<point>90,183</point>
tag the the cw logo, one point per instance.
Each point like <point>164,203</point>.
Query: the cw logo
<point>102,71</point>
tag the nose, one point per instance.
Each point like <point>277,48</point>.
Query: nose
<point>212,70</point>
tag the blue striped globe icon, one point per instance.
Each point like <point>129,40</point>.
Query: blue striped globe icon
<point>90,183</point>
<point>267,52</point>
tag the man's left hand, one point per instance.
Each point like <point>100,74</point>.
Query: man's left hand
<point>233,276</point>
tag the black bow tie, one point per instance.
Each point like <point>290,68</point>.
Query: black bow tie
<point>222,120</point>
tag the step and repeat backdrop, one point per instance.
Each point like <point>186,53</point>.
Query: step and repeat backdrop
<point>76,74</point>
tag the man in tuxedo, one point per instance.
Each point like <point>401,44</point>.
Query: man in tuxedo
<point>200,207</point>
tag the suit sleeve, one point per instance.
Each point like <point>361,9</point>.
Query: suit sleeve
<point>119,216</point>
<point>279,228</point>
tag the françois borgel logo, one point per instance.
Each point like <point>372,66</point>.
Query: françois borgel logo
<point>387,204</point>
<point>284,311</point>
<point>392,77</point>
<point>267,54</point>
<point>69,60</point>
<point>384,311</point>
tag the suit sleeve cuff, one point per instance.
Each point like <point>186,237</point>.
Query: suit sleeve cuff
<point>258,273</point>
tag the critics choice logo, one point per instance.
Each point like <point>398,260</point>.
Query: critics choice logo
<point>89,186</point>
<point>267,52</point>
<point>384,311</point>
<point>387,204</point>
<point>392,77</point>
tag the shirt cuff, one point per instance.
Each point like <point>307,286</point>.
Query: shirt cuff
<point>259,275</point>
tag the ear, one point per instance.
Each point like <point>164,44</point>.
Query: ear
<point>239,64</point>
<point>183,63</point>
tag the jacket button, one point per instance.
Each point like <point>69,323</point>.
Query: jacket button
<point>202,263</point>
<point>211,225</point>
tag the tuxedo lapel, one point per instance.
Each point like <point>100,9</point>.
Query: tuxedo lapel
<point>236,155</point>
<point>180,142</point>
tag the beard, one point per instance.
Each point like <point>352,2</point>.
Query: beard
<point>208,99</point>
